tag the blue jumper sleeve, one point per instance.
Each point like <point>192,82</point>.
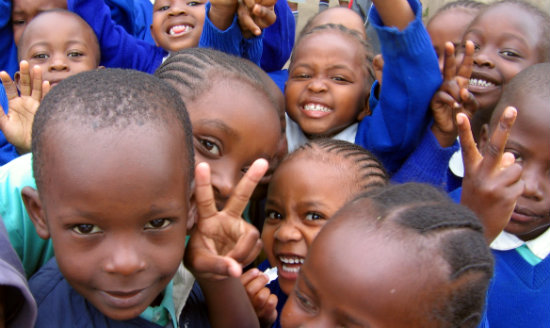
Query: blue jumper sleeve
<point>7,150</point>
<point>428,163</point>
<point>231,40</point>
<point>411,77</point>
<point>278,39</point>
<point>8,50</point>
<point>118,47</point>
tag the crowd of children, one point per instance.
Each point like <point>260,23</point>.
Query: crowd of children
<point>161,167</point>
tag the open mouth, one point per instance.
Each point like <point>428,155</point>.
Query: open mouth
<point>316,108</point>
<point>290,264</point>
<point>178,30</point>
<point>480,83</point>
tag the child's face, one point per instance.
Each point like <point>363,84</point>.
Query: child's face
<point>303,194</point>
<point>449,26</point>
<point>177,24</point>
<point>529,141</point>
<point>23,12</point>
<point>230,132</point>
<point>61,45</point>
<point>368,280</point>
<point>117,215</point>
<point>326,90</point>
<point>507,41</point>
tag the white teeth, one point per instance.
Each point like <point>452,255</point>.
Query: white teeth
<point>316,108</point>
<point>294,269</point>
<point>179,29</point>
<point>480,83</point>
<point>291,260</point>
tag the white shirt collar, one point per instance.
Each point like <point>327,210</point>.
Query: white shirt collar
<point>540,246</point>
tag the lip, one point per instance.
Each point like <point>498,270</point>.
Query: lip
<point>177,23</point>
<point>523,215</point>
<point>123,299</point>
<point>315,109</point>
<point>287,270</point>
<point>480,76</point>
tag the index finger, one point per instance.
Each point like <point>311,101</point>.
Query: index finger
<point>470,153</point>
<point>449,62</point>
<point>497,141</point>
<point>204,195</point>
<point>244,189</point>
<point>465,69</point>
<point>24,78</point>
<point>9,85</point>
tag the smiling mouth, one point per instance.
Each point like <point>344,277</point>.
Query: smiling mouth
<point>480,83</point>
<point>291,264</point>
<point>316,108</point>
<point>178,30</point>
<point>124,299</point>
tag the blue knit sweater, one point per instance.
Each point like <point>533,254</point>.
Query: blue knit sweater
<point>519,295</point>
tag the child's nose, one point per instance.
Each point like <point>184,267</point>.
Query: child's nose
<point>58,63</point>
<point>288,231</point>
<point>223,184</point>
<point>482,59</point>
<point>533,188</point>
<point>124,259</point>
<point>317,85</point>
<point>178,8</point>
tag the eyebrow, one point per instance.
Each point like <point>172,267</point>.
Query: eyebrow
<point>220,125</point>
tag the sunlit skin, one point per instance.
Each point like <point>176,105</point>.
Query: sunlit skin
<point>304,193</point>
<point>354,277</point>
<point>343,16</point>
<point>61,44</point>
<point>449,26</point>
<point>230,132</point>
<point>529,142</point>
<point>507,40</point>
<point>110,219</point>
<point>23,11</point>
<point>327,86</point>
<point>177,24</point>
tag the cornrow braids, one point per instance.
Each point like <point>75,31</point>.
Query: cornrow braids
<point>460,4</point>
<point>432,220</point>
<point>192,71</point>
<point>368,170</point>
<point>354,35</point>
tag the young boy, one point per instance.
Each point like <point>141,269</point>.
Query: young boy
<point>113,164</point>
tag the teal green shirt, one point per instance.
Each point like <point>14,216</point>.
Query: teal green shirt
<point>163,313</point>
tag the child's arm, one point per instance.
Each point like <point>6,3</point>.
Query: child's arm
<point>255,16</point>
<point>119,49</point>
<point>492,183</point>
<point>17,124</point>
<point>265,303</point>
<point>411,77</point>
<point>221,244</point>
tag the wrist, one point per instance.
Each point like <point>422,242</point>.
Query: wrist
<point>444,138</point>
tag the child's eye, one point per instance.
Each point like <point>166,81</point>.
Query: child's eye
<point>245,169</point>
<point>164,8</point>
<point>75,54</point>
<point>210,147</point>
<point>304,302</point>
<point>517,156</point>
<point>313,216</point>
<point>273,215</point>
<point>301,76</point>
<point>40,56</point>
<point>194,3</point>
<point>157,224</point>
<point>86,229</point>
<point>510,53</point>
<point>339,78</point>
<point>18,22</point>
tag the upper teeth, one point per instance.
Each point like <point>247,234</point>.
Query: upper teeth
<point>291,260</point>
<point>316,107</point>
<point>480,83</point>
<point>179,29</point>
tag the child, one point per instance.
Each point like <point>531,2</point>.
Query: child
<point>56,44</point>
<point>449,23</point>
<point>517,195</point>
<point>109,224</point>
<point>307,188</point>
<point>509,36</point>
<point>405,256</point>
<point>317,108</point>
<point>229,131</point>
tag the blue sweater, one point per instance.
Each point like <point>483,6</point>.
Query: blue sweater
<point>275,289</point>
<point>59,305</point>
<point>519,295</point>
<point>410,78</point>
<point>7,150</point>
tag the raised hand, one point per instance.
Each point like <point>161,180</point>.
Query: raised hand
<point>255,15</point>
<point>222,242</point>
<point>491,184</point>
<point>265,303</point>
<point>453,96</point>
<point>17,123</point>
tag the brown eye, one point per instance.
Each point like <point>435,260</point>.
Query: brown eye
<point>157,224</point>
<point>86,229</point>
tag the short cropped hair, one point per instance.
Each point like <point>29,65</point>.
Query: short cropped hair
<point>432,220</point>
<point>470,5</point>
<point>109,99</point>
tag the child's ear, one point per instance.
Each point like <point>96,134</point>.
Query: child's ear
<point>365,111</point>
<point>35,211</point>
<point>151,30</point>
<point>378,65</point>
<point>483,138</point>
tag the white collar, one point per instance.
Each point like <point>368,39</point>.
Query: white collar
<point>295,136</point>
<point>540,246</point>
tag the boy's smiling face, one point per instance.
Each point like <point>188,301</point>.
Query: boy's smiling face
<point>507,40</point>
<point>529,141</point>
<point>177,24</point>
<point>326,89</point>
<point>61,44</point>
<point>116,208</point>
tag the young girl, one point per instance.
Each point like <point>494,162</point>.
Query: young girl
<point>449,23</point>
<point>327,92</point>
<point>405,256</point>
<point>307,188</point>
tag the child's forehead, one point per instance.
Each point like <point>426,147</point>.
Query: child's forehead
<point>35,6</point>
<point>516,17</point>
<point>55,21</point>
